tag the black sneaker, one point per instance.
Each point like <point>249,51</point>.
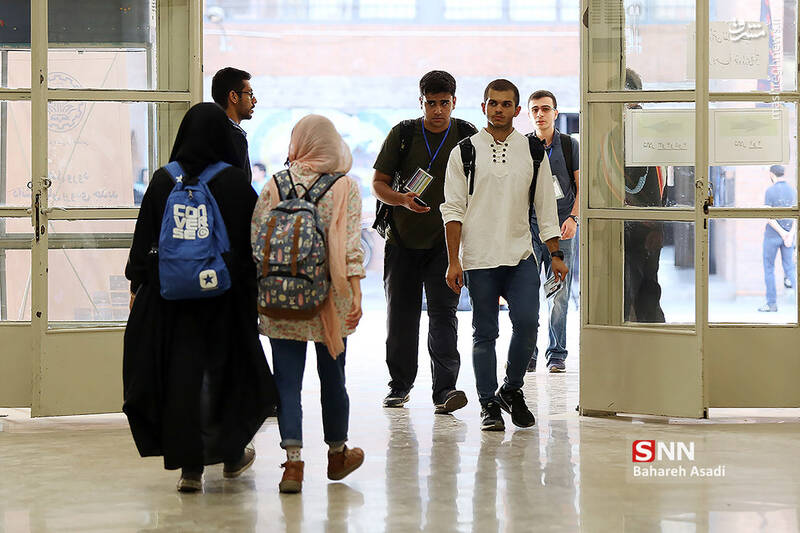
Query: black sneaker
<point>513,402</point>
<point>454,400</point>
<point>396,398</point>
<point>531,365</point>
<point>491,419</point>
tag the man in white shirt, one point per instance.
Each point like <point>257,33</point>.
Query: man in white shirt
<point>488,223</point>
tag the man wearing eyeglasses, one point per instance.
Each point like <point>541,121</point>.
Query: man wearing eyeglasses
<point>562,151</point>
<point>231,90</point>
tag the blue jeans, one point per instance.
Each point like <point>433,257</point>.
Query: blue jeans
<point>519,285</point>
<point>558,305</point>
<point>289,362</point>
<point>773,243</point>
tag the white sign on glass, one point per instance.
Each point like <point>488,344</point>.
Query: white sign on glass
<point>659,137</point>
<point>749,136</point>
<point>737,51</point>
<point>665,137</point>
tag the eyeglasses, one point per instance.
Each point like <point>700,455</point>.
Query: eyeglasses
<point>251,93</point>
<point>544,109</point>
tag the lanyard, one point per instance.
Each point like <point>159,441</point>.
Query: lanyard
<point>440,144</point>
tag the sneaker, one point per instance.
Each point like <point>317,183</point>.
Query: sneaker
<point>768,308</point>
<point>341,464</point>
<point>556,367</point>
<point>513,402</point>
<point>491,419</point>
<point>787,282</point>
<point>396,398</point>
<point>231,470</point>
<point>292,480</point>
<point>454,400</point>
<point>191,480</point>
<point>532,365</point>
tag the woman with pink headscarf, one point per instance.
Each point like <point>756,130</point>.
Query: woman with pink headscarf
<point>316,148</point>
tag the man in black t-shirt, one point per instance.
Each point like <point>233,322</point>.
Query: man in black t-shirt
<point>415,254</point>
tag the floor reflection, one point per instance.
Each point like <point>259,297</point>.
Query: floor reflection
<point>423,473</point>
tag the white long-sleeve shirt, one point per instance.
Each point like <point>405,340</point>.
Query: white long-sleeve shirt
<point>495,219</point>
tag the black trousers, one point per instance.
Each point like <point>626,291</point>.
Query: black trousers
<point>405,272</point>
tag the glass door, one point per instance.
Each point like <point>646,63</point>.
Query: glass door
<point>752,327</point>
<point>106,87</point>
<point>642,218</point>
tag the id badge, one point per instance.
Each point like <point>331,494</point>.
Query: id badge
<point>557,188</point>
<point>551,287</point>
<point>418,182</point>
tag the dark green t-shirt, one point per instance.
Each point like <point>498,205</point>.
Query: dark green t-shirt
<point>418,230</point>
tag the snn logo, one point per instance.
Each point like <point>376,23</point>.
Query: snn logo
<point>646,451</point>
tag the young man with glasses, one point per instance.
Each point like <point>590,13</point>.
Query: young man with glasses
<point>231,90</point>
<point>562,152</point>
<point>415,253</point>
<point>489,245</point>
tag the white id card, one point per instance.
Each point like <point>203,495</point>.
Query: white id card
<point>551,287</point>
<point>557,187</point>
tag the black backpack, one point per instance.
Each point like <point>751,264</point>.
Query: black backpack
<point>383,212</point>
<point>468,158</point>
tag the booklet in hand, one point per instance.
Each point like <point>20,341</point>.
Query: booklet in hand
<point>552,286</point>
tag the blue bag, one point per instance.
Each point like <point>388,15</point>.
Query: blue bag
<point>193,239</point>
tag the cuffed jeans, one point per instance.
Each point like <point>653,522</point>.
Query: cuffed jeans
<point>773,243</point>
<point>405,272</point>
<point>289,362</point>
<point>558,304</point>
<point>519,285</point>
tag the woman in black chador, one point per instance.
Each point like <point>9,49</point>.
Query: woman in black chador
<point>197,384</point>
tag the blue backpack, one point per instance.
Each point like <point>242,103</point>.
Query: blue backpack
<point>193,239</point>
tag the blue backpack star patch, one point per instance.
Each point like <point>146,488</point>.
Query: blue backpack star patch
<point>193,239</point>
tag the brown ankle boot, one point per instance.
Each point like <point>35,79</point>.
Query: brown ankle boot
<point>292,480</point>
<point>340,464</point>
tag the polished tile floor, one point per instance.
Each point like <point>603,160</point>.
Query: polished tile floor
<point>423,472</point>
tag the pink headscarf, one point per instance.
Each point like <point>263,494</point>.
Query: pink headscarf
<point>317,146</point>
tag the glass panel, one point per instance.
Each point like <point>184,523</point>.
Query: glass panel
<point>641,272</point>
<point>100,153</point>
<point>15,67</point>
<point>634,34</point>
<point>473,9</point>
<point>381,9</point>
<point>15,283</point>
<point>330,9</point>
<point>542,11</point>
<point>88,285</point>
<point>752,271</point>
<point>106,44</point>
<point>15,153</point>
<point>15,45</point>
<point>644,157</point>
<point>747,141</point>
<point>752,46</point>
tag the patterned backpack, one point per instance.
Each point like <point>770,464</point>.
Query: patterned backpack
<point>193,239</point>
<point>293,274</point>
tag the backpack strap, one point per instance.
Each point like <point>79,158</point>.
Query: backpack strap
<point>211,171</point>
<point>464,128</point>
<point>566,149</point>
<point>320,186</point>
<point>285,185</point>
<point>406,131</point>
<point>537,154</point>
<point>468,160</point>
<point>174,170</point>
